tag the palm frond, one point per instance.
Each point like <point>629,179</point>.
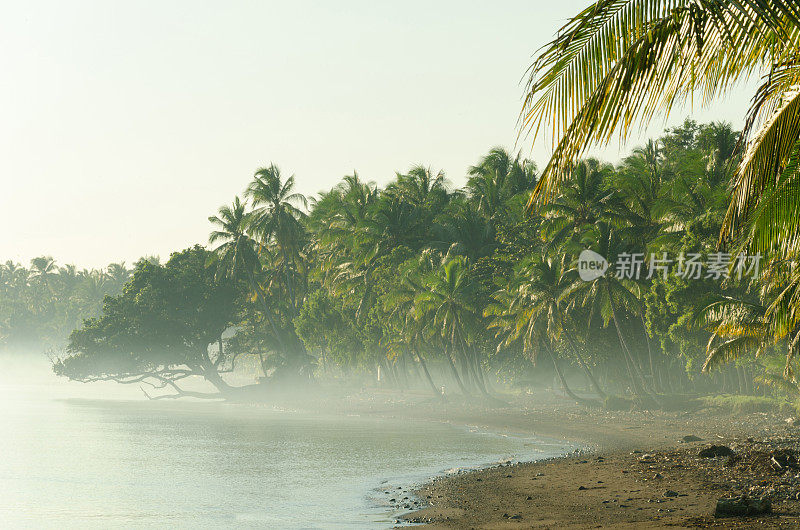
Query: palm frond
<point>620,62</point>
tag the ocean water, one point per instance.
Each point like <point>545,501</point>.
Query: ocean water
<point>103,456</point>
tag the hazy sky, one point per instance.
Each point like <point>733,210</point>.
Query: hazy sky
<point>124,125</point>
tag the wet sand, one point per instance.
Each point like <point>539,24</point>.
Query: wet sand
<point>613,490</point>
<point>635,471</point>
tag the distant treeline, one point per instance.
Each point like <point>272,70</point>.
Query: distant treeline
<point>431,285</point>
<point>41,304</point>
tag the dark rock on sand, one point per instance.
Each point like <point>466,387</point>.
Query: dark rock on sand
<point>742,506</point>
<point>782,460</point>
<point>715,451</point>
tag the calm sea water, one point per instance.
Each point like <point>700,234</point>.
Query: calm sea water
<point>102,456</point>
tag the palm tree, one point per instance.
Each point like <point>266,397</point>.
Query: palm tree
<point>237,256</point>
<point>616,65</point>
<point>420,186</point>
<point>350,240</point>
<point>619,63</point>
<point>68,276</point>
<point>640,181</point>
<point>336,219</point>
<point>461,230</point>
<point>718,141</point>
<point>737,327</point>
<point>91,292</point>
<point>118,273</point>
<point>408,331</point>
<point>530,308</point>
<point>496,178</point>
<point>43,269</point>
<point>446,303</point>
<point>276,217</point>
<point>519,319</point>
<point>584,201</point>
<point>609,295</point>
<point>17,274</point>
<point>362,228</point>
<point>744,325</point>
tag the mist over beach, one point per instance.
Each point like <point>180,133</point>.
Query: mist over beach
<point>371,265</point>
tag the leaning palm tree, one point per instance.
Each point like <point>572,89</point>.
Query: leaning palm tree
<point>408,330</point>
<point>610,295</point>
<point>519,320</point>
<point>620,63</point>
<point>446,303</point>
<point>530,308</point>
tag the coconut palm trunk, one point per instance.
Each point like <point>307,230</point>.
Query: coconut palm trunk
<point>470,364</point>
<point>564,385</point>
<point>589,375</point>
<point>265,307</point>
<point>428,377</point>
<point>650,355</point>
<point>454,371</point>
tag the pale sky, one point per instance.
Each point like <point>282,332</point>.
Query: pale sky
<point>124,125</point>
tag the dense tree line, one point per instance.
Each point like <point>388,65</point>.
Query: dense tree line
<point>617,65</point>
<point>424,282</point>
<point>40,305</point>
<point>432,286</point>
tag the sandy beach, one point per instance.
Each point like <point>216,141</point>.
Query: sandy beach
<point>635,469</point>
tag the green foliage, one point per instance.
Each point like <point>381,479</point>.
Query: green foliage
<point>162,323</point>
<point>616,65</point>
<point>326,329</point>
<point>737,404</point>
<point>41,305</point>
<point>456,286</point>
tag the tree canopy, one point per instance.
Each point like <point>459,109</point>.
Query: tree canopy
<point>421,283</point>
<point>160,328</point>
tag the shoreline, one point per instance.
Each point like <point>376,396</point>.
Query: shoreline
<point>562,497</point>
<point>626,464</point>
<point>404,516</point>
<point>627,467</point>
<point>633,470</point>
